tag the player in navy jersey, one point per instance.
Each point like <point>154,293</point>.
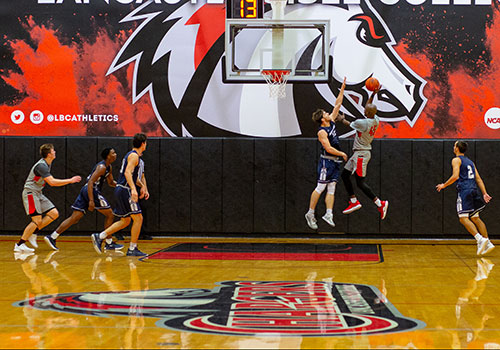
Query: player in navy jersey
<point>472,196</point>
<point>127,205</point>
<point>90,198</point>
<point>329,162</point>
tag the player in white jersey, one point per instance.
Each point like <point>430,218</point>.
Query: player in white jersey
<point>358,163</point>
<point>37,206</point>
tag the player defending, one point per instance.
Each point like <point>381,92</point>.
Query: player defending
<point>329,162</point>
<point>358,163</point>
<point>126,195</point>
<point>39,207</point>
<point>469,201</point>
<point>90,197</point>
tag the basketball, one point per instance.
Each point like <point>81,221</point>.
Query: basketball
<point>372,84</point>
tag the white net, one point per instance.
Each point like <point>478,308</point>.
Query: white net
<point>276,80</point>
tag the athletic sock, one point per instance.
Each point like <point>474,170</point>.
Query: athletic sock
<point>21,241</point>
<point>103,235</point>
<point>354,200</point>
<point>378,203</point>
<point>311,211</point>
<point>133,246</point>
<point>54,235</point>
<point>329,211</point>
<point>109,240</point>
<point>478,236</point>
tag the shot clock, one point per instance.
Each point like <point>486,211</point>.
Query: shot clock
<point>244,9</point>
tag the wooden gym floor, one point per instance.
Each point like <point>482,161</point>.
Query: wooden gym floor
<point>401,294</point>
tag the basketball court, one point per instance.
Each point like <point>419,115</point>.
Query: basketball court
<point>237,293</point>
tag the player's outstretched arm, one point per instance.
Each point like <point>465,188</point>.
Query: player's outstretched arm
<point>323,138</point>
<point>372,96</point>
<point>338,102</point>
<point>61,182</point>
<point>455,163</point>
<point>482,187</point>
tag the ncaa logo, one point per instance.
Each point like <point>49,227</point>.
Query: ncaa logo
<point>247,308</point>
<point>492,118</point>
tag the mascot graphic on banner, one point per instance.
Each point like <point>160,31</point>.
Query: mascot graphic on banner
<point>177,53</point>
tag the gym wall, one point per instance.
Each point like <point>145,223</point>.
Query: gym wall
<point>253,185</point>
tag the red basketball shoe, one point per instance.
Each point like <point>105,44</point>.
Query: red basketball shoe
<point>352,207</point>
<point>383,209</point>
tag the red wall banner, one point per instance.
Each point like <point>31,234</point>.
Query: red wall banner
<point>114,68</point>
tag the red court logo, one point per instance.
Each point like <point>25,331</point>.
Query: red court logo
<point>274,308</point>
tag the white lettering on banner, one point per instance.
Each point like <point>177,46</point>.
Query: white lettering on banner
<point>326,2</point>
<point>82,118</point>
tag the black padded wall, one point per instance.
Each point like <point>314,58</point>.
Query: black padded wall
<point>395,180</point>
<point>238,185</point>
<point>247,185</point>
<point>19,158</point>
<point>488,165</point>
<point>206,185</point>
<point>269,185</point>
<point>300,181</point>
<point>152,173</point>
<point>427,172</point>
<point>175,185</point>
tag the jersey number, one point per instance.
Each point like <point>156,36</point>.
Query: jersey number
<point>470,172</point>
<point>372,130</point>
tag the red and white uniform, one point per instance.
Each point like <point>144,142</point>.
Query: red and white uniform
<point>365,132</point>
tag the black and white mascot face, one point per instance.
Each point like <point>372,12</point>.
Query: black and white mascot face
<point>177,53</point>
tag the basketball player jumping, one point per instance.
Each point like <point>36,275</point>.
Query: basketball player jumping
<point>329,162</point>
<point>358,163</point>
<point>126,195</point>
<point>469,202</point>
<point>90,197</point>
<point>39,207</point>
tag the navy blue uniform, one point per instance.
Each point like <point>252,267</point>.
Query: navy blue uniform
<point>469,200</point>
<point>82,201</point>
<point>123,194</point>
<point>329,165</point>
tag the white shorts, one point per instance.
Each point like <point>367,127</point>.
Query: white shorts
<point>358,163</point>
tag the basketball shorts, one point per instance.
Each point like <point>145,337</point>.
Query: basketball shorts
<point>35,203</point>
<point>328,170</point>
<point>358,163</point>
<point>124,205</point>
<point>469,202</point>
<point>82,201</point>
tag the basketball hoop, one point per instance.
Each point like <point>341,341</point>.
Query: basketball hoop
<point>276,80</point>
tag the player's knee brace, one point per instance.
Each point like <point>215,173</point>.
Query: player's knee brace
<point>331,187</point>
<point>320,188</point>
